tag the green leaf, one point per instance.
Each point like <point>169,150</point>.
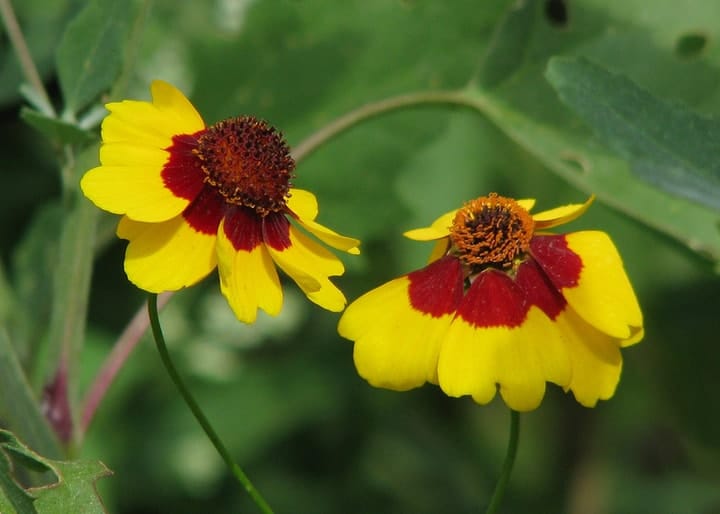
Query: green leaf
<point>73,488</point>
<point>575,157</point>
<point>506,52</point>
<point>666,144</point>
<point>55,129</point>
<point>32,269</point>
<point>91,51</point>
<point>13,498</point>
<point>19,407</point>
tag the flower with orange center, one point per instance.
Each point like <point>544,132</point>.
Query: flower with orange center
<point>195,197</point>
<point>503,304</point>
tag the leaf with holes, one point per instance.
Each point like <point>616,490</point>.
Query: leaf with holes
<point>73,488</point>
<point>569,152</point>
<point>666,144</point>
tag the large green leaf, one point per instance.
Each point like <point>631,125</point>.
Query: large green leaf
<point>72,489</point>
<point>666,144</point>
<point>524,107</point>
<point>91,51</point>
<point>506,51</point>
<point>573,155</point>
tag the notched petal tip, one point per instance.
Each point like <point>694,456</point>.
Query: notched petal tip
<point>248,279</point>
<point>396,346</point>
<point>303,207</point>
<point>596,360</point>
<point>604,296</point>
<point>166,256</point>
<point>310,265</point>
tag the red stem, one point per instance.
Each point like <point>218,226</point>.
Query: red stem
<point>124,346</point>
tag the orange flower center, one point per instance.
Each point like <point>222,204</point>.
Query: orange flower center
<point>248,163</point>
<point>491,230</point>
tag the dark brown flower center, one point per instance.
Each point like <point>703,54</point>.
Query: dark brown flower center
<point>248,163</point>
<point>491,231</point>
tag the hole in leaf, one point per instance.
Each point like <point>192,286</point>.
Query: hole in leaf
<point>691,45</point>
<point>575,161</point>
<point>556,12</point>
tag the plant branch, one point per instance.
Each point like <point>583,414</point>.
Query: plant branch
<point>370,110</point>
<point>22,51</point>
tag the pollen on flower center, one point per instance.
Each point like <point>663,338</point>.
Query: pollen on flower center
<point>491,230</point>
<point>248,163</point>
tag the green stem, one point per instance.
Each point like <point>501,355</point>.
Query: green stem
<point>507,465</point>
<point>373,109</point>
<point>197,412</point>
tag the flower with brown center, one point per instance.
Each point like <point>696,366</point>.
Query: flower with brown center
<point>491,231</point>
<point>195,197</point>
<point>503,305</point>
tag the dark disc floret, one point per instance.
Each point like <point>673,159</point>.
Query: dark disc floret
<point>248,162</point>
<point>491,231</point>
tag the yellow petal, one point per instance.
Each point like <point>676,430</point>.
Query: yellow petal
<point>135,190</point>
<point>561,215</point>
<point>130,154</point>
<point>595,357</point>
<point>439,228</point>
<point>135,137</point>
<point>151,124</point>
<point>303,204</point>
<point>175,105</point>
<point>331,238</point>
<point>396,346</point>
<point>439,250</point>
<point>475,360</point>
<point>309,265</point>
<point>603,296</point>
<point>166,256</point>
<point>526,203</point>
<point>248,279</point>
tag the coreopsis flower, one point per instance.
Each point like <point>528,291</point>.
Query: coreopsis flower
<point>195,197</point>
<point>503,304</point>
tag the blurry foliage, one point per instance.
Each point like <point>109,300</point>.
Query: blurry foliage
<point>283,393</point>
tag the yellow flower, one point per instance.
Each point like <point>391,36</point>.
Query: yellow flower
<point>501,304</point>
<point>196,197</point>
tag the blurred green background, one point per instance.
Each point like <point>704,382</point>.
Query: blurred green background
<point>283,393</point>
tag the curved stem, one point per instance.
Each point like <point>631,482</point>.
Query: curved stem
<point>197,412</point>
<point>372,109</point>
<point>507,465</point>
<point>23,52</point>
